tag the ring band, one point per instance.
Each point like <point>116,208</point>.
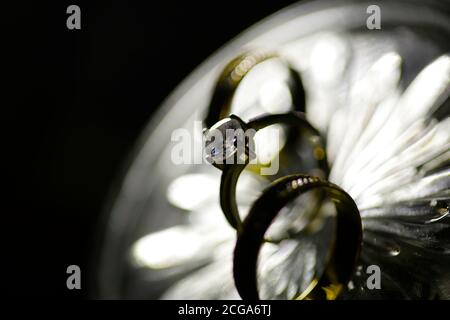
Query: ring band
<point>231,172</point>
<point>345,251</point>
<point>232,75</point>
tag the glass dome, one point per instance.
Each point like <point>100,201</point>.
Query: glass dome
<point>380,100</point>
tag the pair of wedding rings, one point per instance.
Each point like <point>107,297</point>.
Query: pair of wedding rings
<point>232,154</point>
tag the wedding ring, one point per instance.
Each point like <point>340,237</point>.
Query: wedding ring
<point>234,152</point>
<point>343,254</point>
<point>232,75</point>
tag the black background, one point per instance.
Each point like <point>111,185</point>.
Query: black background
<point>73,103</point>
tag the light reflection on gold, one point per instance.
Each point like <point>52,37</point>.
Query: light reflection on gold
<point>319,153</point>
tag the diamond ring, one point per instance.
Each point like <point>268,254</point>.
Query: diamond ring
<point>229,146</point>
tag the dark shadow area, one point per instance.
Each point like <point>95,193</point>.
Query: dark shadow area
<point>75,103</point>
